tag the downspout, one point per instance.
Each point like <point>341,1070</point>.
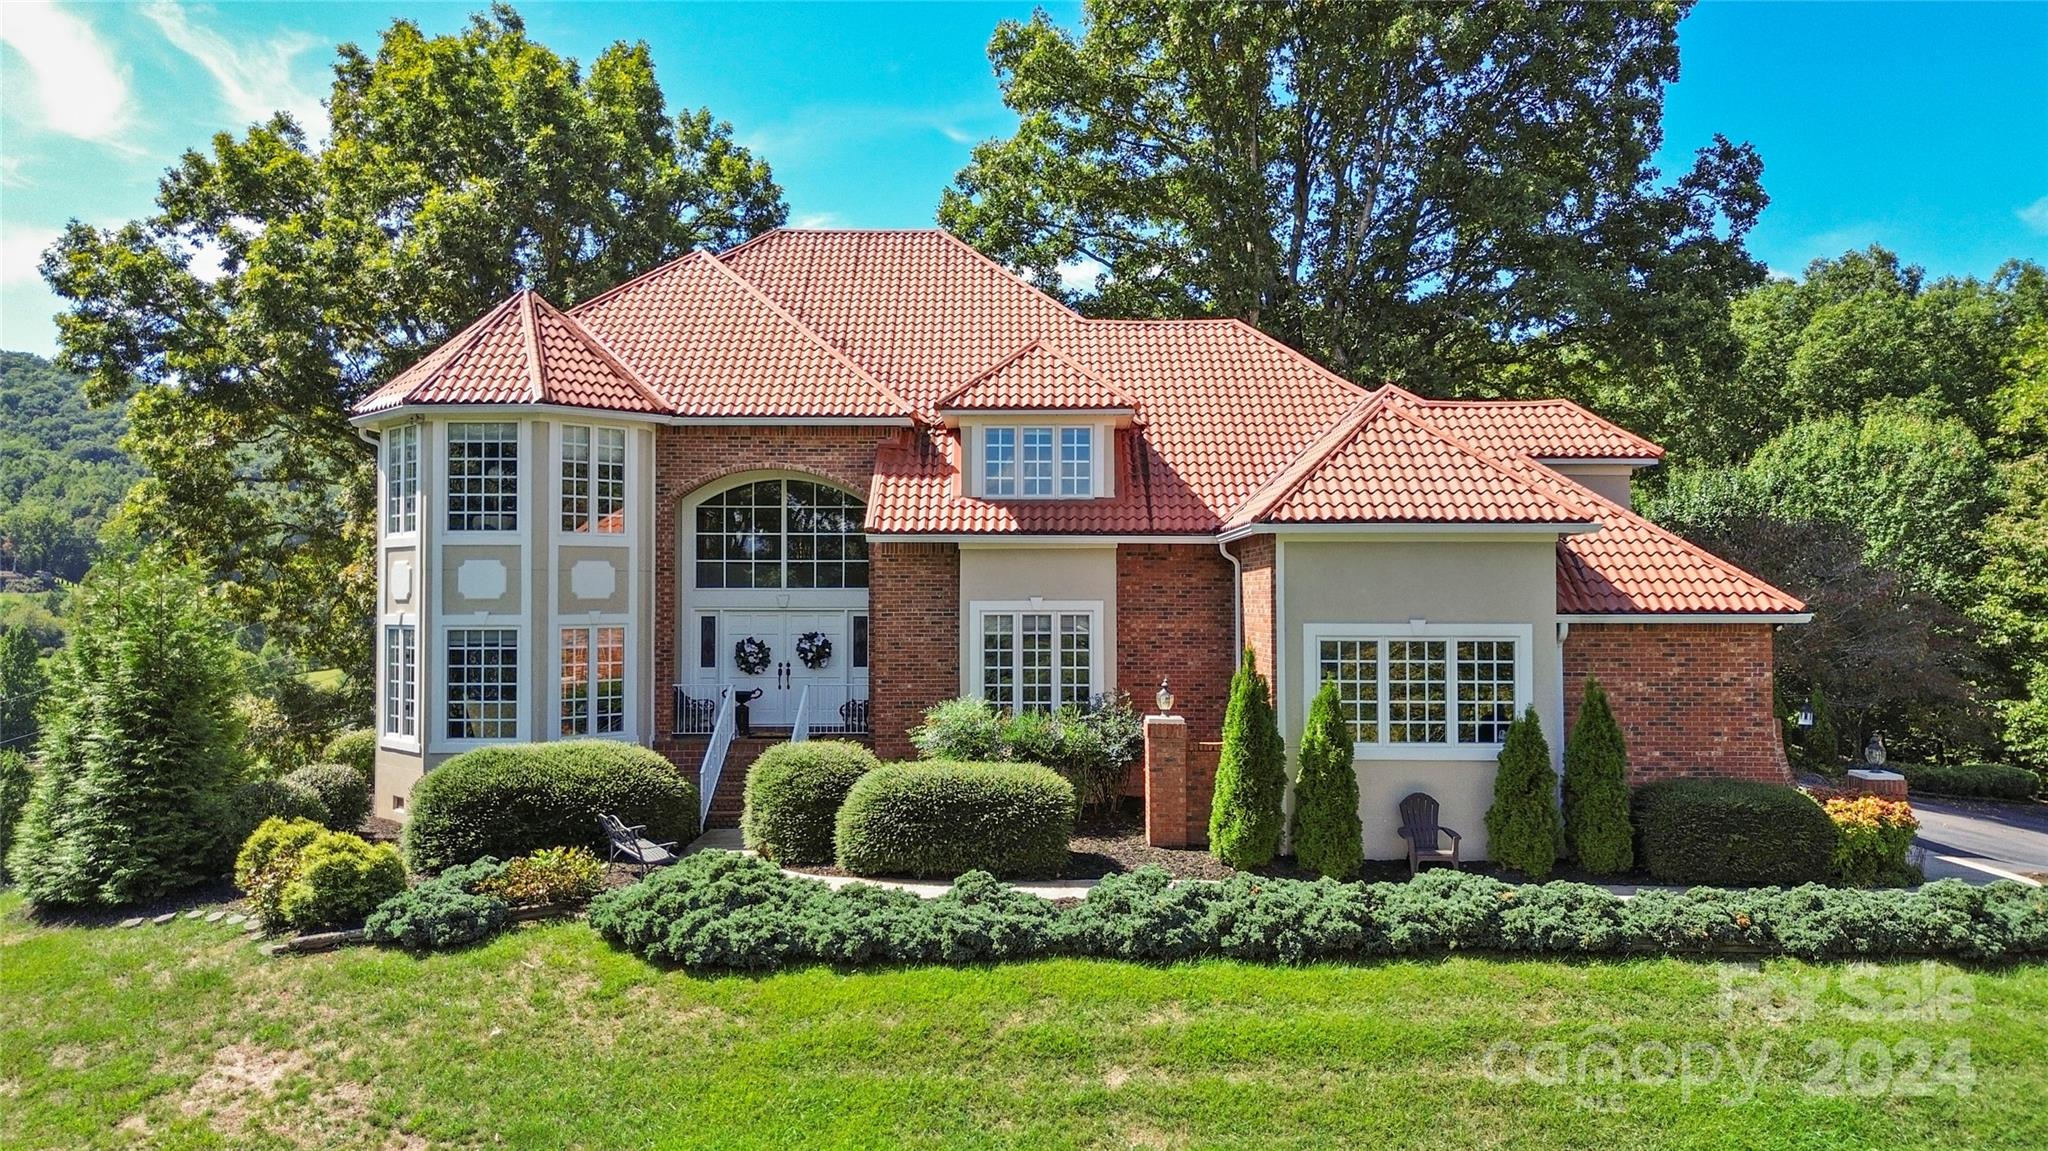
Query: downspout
<point>1236,603</point>
<point>370,437</point>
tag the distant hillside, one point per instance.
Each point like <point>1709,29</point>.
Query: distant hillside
<point>62,471</point>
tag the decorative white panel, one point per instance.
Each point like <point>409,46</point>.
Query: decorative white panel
<point>593,579</point>
<point>401,581</point>
<point>480,579</point>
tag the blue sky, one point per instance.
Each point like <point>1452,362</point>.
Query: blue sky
<point>1921,127</point>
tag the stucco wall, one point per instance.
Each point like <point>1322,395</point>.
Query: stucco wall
<point>1609,480</point>
<point>1395,581</point>
<point>1049,573</point>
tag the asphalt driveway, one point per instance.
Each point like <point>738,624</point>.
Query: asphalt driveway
<point>1981,842</point>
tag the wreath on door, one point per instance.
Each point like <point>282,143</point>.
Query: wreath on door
<point>814,648</point>
<point>751,656</point>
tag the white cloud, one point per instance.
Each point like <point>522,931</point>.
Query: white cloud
<point>2035,216</point>
<point>80,89</point>
<point>816,220</point>
<point>255,77</point>
<point>1079,275</point>
<point>21,253</point>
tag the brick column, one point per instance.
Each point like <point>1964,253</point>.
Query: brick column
<point>1166,781</point>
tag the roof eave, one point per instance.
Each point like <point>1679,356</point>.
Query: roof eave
<point>1532,529</point>
<point>1686,617</point>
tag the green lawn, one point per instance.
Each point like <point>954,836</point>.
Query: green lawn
<point>188,1036</point>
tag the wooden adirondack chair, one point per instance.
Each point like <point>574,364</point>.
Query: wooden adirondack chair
<point>1420,828</point>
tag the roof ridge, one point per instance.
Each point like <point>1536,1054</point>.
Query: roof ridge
<point>597,347</point>
<point>635,281</point>
<point>458,344</point>
<point>1035,343</point>
<point>1311,361</point>
<point>1313,456</point>
<point>806,331</point>
<point>1481,455</point>
<point>536,371</point>
<point>1655,448</point>
<point>942,233</point>
<point>1600,502</point>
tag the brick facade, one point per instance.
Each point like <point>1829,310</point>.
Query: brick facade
<point>1693,700</point>
<point>1173,619</point>
<point>914,609</point>
<point>687,458</point>
<point>1256,579</point>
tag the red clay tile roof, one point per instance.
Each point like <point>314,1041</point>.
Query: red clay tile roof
<point>1036,378</point>
<point>1238,429</point>
<point>1539,429</point>
<point>711,344</point>
<point>521,352</point>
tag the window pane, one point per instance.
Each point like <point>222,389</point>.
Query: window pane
<point>1486,690</point>
<point>401,680</point>
<point>999,462</point>
<point>1354,666</point>
<point>575,681</point>
<point>608,481</point>
<point>707,641</point>
<point>608,692</point>
<point>860,641</point>
<point>483,683</point>
<point>998,659</point>
<point>1416,682</point>
<point>1036,470</point>
<point>402,479</point>
<point>483,477</point>
<point>773,534</point>
<point>1076,680</point>
<point>1077,461</point>
<point>1034,662</point>
<point>575,479</point>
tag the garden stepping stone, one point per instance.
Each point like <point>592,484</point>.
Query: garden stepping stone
<point>195,913</point>
<point>236,919</point>
<point>135,922</point>
<point>166,917</point>
<point>216,917</point>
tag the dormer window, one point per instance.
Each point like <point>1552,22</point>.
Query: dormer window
<point>1038,461</point>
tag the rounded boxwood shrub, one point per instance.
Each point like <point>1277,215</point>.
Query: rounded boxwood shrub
<point>507,801</point>
<point>357,749</point>
<point>1732,832</point>
<point>944,818</point>
<point>793,795</point>
<point>269,860</point>
<point>342,789</point>
<point>1970,780</point>
<point>340,879</point>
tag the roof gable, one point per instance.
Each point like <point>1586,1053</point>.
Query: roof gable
<point>1553,429</point>
<point>521,352</point>
<point>1036,377</point>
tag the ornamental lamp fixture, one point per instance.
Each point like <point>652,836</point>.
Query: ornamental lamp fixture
<point>1805,718</point>
<point>1165,697</point>
<point>1874,754</point>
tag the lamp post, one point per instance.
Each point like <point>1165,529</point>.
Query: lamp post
<point>1165,698</point>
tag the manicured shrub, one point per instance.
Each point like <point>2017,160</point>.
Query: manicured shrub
<point>793,795</point>
<point>1327,837</point>
<point>344,792</point>
<point>339,879</point>
<point>968,728</point>
<point>1970,780</point>
<point>444,912</point>
<point>357,749</point>
<point>269,861</point>
<point>1875,835</point>
<point>139,750</point>
<point>721,909</point>
<point>942,818</point>
<point>507,801</point>
<point>1522,827</point>
<point>16,781</point>
<point>262,799</point>
<point>1596,824</point>
<point>550,875</point>
<point>1251,774</point>
<point>1727,831</point>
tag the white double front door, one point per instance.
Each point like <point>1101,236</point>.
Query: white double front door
<point>783,682</point>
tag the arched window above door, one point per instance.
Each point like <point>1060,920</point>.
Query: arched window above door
<point>781,533</point>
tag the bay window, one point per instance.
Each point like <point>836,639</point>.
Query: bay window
<point>1435,691</point>
<point>593,480</point>
<point>483,683</point>
<point>401,681</point>
<point>483,477</point>
<point>593,680</point>
<point>402,479</point>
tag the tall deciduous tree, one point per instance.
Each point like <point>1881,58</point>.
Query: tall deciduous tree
<point>1245,818</point>
<point>283,278</point>
<point>1458,196</point>
<point>140,747</point>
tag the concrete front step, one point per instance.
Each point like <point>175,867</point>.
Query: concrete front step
<point>687,753</point>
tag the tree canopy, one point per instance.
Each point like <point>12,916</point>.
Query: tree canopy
<point>282,278</point>
<point>1461,198</point>
<point>62,470</point>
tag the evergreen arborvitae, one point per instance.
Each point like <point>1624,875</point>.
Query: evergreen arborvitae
<point>139,745</point>
<point>1327,838</point>
<point>1251,775</point>
<point>1522,827</point>
<point>1596,820</point>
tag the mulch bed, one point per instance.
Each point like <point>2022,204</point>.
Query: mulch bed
<point>221,895</point>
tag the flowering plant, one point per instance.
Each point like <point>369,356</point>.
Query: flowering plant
<point>751,656</point>
<point>814,648</point>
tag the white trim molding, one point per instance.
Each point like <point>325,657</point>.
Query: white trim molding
<point>1522,635</point>
<point>1097,641</point>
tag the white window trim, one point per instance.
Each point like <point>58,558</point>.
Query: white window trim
<point>420,490</point>
<point>1102,443</point>
<point>392,740</point>
<point>558,505</point>
<point>523,712</point>
<point>1097,641</point>
<point>1522,634</point>
<point>523,487</point>
<point>629,717</point>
